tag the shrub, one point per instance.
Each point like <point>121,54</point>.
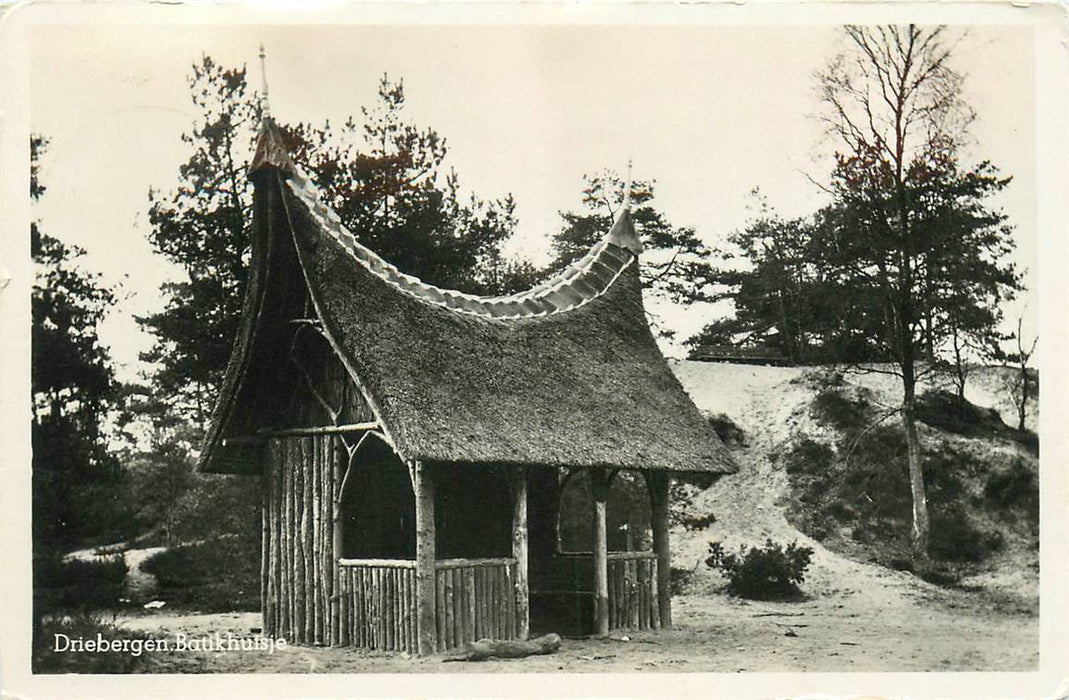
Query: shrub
<point>1016,487</point>
<point>679,580</point>
<point>771,572</point>
<point>83,625</point>
<point>809,457</point>
<point>696,522</point>
<point>78,583</point>
<point>954,538</point>
<point>946,411</point>
<point>726,429</point>
<point>219,575</point>
<point>833,408</point>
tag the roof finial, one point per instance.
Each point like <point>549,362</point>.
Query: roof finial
<point>627,187</point>
<point>264,101</point>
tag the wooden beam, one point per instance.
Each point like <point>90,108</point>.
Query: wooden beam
<point>379,563</point>
<point>269,433</point>
<point>472,563</point>
<point>519,552</point>
<point>658,483</point>
<point>423,486</point>
<point>599,489</point>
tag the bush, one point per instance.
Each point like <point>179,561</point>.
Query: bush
<point>809,457</point>
<point>85,626</point>
<point>692,523</point>
<point>1015,488</point>
<point>220,575</point>
<point>77,584</point>
<point>726,429</point>
<point>946,411</point>
<point>833,408</point>
<point>954,538</point>
<point>768,573</point>
<point>679,580</point>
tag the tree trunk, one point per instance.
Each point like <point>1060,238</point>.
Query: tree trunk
<point>921,526</point>
<point>1022,407</point>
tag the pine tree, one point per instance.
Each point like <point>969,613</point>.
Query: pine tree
<point>73,388</point>
<point>910,236</point>
<point>675,262</point>
<point>384,176</point>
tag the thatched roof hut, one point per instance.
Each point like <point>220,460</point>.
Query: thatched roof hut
<point>336,345</point>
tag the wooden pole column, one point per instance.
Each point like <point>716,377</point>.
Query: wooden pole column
<point>599,489</point>
<point>658,482</point>
<point>337,540</point>
<point>265,547</point>
<point>423,485</point>
<point>519,552</point>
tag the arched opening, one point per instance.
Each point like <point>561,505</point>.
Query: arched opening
<point>378,507</point>
<point>575,526</point>
<point>627,513</point>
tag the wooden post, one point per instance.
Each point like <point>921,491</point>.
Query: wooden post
<point>599,489</point>
<point>265,543</point>
<point>519,553</point>
<point>423,485</point>
<point>336,537</point>
<point>658,482</point>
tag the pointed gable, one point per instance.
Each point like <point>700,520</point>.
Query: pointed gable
<point>565,374</point>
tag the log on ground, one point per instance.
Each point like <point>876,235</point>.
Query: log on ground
<point>505,648</point>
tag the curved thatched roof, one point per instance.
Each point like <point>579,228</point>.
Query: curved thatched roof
<point>565,374</point>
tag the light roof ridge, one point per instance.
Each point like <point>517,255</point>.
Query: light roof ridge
<point>581,282</point>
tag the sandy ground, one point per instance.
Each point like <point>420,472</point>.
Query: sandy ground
<point>847,631</point>
<point>856,617</point>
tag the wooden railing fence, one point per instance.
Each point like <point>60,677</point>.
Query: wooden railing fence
<point>633,590</point>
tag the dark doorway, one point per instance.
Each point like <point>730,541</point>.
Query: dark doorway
<point>472,512</point>
<point>378,506</point>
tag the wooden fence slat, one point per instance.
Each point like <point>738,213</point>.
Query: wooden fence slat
<point>485,603</point>
<point>450,624</point>
<point>309,548</point>
<point>359,579</point>
<point>402,610</point>
<point>469,599</point>
<point>317,541</point>
<point>399,603</point>
<point>413,637</point>
<point>345,596</point>
<point>508,600</point>
<point>391,592</point>
<point>640,585</point>
<point>439,607</point>
<point>360,624</point>
<point>632,569</point>
<point>614,594</point>
<point>330,555</point>
<point>369,604</point>
<point>286,518</point>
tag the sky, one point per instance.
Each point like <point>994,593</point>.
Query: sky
<point>709,112</point>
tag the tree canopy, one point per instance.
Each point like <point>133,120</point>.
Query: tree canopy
<point>909,263</point>
<point>73,385</point>
<point>675,262</point>
<point>384,176</point>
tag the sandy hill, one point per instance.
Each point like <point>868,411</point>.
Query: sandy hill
<point>775,409</point>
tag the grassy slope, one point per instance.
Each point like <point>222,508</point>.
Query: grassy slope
<point>794,483</point>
